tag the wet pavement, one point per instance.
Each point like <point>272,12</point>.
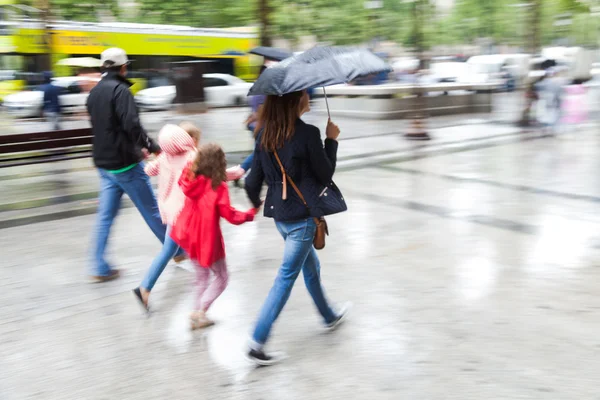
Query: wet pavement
<point>473,275</point>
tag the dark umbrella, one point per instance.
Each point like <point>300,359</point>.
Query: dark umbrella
<point>271,53</point>
<point>319,66</point>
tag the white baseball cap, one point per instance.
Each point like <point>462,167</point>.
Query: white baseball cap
<point>114,57</point>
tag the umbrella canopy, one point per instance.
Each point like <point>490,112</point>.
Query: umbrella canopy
<point>271,53</point>
<point>83,62</point>
<point>320,66</point>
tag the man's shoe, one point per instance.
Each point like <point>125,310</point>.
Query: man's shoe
<point>262,359</point>
<point>114,274</point>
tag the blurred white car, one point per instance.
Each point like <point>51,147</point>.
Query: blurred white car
<point>448,71</point>
<point>29,103</point>
<point>220,90</point>
<point>595,71</point>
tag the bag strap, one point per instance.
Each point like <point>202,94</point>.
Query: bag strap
<point>286,178</point>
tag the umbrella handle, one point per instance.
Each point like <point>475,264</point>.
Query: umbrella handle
<point>326,103</point>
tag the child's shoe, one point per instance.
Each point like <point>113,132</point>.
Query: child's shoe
<point>199,320</point>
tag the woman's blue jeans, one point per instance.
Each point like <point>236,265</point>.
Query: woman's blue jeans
<point>299,255</point>
<point>167,252</point>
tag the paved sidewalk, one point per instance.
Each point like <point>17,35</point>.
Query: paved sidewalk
<point>473,276</point>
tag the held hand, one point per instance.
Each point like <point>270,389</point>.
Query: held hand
<point>145,153</point>
<point>235,173</point>
<point>257,209</point>
<point>332,131</point>
<point>251,118</point>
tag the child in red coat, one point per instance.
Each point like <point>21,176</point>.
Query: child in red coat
<point>197,228</point>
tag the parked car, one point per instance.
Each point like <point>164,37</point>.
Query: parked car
<point>447,71</point>
<point>29,103</point>
<point>509,69</point>
<point>595,71</point>
<point>220,90</point>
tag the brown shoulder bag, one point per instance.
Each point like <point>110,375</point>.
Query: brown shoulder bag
<point>322,230</point>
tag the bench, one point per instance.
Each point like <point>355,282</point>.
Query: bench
<point>42,147</point>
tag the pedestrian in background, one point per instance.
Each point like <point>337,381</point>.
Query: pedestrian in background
<point>197,229</point>
<point>575,107</point>
<point>236,173</point>
<point>178,149</point>
<point>299,147</point>
<point>119,146</point>
<point>51,108</point>
<point>550,96</point>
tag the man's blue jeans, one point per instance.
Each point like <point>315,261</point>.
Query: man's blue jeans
<point>299,254</point>
<point>167,252</point>
<point>136,184</point>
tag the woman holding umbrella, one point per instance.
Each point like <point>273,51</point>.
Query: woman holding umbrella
<point>298,169</point>
<point>237,172</point>
<point>300,150</point>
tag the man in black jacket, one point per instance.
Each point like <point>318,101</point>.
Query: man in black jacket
<point>119,146</point>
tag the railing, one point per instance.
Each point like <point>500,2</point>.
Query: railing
<point>395,89</point>
<point>390,101</point>
<point>42,147</point>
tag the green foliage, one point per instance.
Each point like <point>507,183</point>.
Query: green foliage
<point>509,22</point>
<point>205,13</point>
<point>349,22</point>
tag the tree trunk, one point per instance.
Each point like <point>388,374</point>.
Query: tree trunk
<point>45,60</point>
<point>418,31</point>
<point>535,18</point>
<point>417,130</point>
<point>264,17</point>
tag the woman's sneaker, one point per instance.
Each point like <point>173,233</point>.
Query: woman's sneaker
<point>342,314</point>
<point>262,359</point>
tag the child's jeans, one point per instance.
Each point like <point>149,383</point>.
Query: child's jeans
<point>206,291</point>
<point>168,251</point>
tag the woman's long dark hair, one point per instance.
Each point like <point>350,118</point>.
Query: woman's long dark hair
<point>277,119</point>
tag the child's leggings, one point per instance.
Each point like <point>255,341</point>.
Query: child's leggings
<point>207,291</point>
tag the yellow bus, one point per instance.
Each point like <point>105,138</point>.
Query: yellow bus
<point>150,47</point>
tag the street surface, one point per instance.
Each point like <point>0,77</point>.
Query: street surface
<point>471,261</point>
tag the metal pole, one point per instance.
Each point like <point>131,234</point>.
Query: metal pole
<point>326,103</point>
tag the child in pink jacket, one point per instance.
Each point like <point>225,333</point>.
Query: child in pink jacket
<point>178,145</point>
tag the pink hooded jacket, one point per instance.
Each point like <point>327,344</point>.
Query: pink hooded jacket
<point>178,148</point>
